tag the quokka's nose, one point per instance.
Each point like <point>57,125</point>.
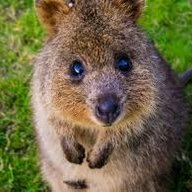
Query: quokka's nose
<point>108,109</point>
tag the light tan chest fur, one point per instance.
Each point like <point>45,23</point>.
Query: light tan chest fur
<point>116,176</point>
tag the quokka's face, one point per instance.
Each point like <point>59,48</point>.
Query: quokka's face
<point>100,72</point>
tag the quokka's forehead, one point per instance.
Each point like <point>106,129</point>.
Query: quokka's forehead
<point>94,50</point>
<point>90,43</point>
<point>97,35</point>
<point>98,48</point>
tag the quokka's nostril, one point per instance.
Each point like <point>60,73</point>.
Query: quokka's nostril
<point>108,109</point>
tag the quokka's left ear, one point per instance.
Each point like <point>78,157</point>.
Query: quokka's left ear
<point>51,12</point>
<point>132,8</point>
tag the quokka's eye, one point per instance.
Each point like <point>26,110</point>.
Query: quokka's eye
<point>77,70</point>
<point>71,3</point>
<point>124,64</point>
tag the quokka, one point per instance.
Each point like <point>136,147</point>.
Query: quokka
<point>109,111</point>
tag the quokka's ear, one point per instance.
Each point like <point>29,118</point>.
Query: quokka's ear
<point>51,12</point>
<point>132,8</point>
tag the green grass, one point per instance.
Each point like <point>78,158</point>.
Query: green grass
<point>167,22</point>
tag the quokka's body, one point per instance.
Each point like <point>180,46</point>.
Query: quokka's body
<point>109,112</point>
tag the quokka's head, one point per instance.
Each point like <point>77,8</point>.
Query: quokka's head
<point>97,67</point>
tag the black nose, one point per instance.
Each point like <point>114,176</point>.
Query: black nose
<point>108,109</point>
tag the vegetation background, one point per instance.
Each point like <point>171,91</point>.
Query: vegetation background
<point>167,22</point>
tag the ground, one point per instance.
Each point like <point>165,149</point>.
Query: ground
<point>168,24</point>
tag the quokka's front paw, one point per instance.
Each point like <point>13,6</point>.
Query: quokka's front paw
<point>99,158</point>
<point>74,152</point>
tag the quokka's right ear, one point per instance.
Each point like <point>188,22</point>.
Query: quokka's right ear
<point>51,12</point>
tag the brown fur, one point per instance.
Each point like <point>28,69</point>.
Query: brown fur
<point>135,153</point>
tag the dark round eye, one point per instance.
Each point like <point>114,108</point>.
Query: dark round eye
<point>124,64</point>
<point>77,70</point>
<point>71,3</point>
